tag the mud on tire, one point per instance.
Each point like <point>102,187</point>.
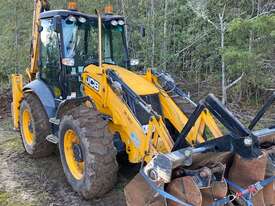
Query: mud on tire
<point>41,128</point>
<point>99,154</point>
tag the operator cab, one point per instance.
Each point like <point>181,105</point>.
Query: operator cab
<point>69,43</point>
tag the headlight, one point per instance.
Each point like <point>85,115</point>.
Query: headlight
<point>114,22</point>
<point>121,22</point>
<point>134,62</point>
<point>82,20</point>
<point>72,18</point>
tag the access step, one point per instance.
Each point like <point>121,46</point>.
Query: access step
<point>52,138</point>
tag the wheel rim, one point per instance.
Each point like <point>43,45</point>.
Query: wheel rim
<point>27,127</point>
<point>73,154</point>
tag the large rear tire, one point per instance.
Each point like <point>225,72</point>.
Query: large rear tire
<point>35,127</point>
<point>87,152</point>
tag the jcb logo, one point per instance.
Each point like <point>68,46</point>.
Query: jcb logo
<point>93,83</point>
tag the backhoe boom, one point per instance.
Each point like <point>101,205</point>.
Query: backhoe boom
<point>39,6</point>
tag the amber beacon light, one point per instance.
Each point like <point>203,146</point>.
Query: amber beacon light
<point>72,5</point>
<point>108,9</point>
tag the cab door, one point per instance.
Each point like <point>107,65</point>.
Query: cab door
<point>50,65</point>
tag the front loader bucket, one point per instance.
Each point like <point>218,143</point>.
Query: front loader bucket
<point>245,172</point>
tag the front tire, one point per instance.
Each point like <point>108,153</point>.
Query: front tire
<point>35,127</point>
<point>87,152</point>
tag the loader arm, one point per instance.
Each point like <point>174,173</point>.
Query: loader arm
<point>204,119</point>
<point>157,139</point>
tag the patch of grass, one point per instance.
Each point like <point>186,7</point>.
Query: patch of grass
<point>4,197</point>
<point>6,124</point>
<point>8,199</point>
<point>13,144</point>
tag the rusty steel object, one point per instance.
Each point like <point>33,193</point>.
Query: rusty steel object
<point>267,139</point>
<point>139,193</point>
<point>217,190</point>
<point>245,172</point>
<point>201,187</point>
<point>269,191</point>
<point>185,189</point>
<point>218,187</point>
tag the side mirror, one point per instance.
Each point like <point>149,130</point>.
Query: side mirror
<point>57,23</point>
<point>134,62</point>
<point>142,31</point>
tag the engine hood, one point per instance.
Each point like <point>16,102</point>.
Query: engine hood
<point>136,82</point>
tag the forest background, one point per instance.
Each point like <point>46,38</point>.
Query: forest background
<point>226,47</point>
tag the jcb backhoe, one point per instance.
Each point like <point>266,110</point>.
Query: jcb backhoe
<point>82,96</point>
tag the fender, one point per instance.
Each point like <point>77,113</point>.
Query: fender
<point>69,104</point>
<point>42,91</point>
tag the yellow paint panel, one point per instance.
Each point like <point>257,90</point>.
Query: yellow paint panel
<point>17,96</point>
<point>136,82</point>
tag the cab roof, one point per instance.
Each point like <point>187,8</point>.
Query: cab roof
<point>66,13</point>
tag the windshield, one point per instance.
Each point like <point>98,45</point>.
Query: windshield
<point>114,50</point>
<point>81,42</point>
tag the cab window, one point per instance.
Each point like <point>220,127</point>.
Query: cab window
<point>50,56</point>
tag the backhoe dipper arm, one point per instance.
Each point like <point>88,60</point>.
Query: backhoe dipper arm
<point>39,7</point>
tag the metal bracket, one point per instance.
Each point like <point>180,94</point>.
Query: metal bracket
<point>54,121</point>
<point>52,138</point>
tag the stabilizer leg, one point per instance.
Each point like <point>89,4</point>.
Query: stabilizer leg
<point>17,95</point>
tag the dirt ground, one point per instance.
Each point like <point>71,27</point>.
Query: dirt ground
<point>25,181</point>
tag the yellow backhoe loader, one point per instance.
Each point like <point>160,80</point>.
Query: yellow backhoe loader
<point>82,96</point>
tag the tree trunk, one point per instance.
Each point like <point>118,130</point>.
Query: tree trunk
<point>153,33</point>
<point>164,51</point>
<point>16,40</point>
<point>126,27</point>
<point>222,28</point>
<point>258,7</point>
